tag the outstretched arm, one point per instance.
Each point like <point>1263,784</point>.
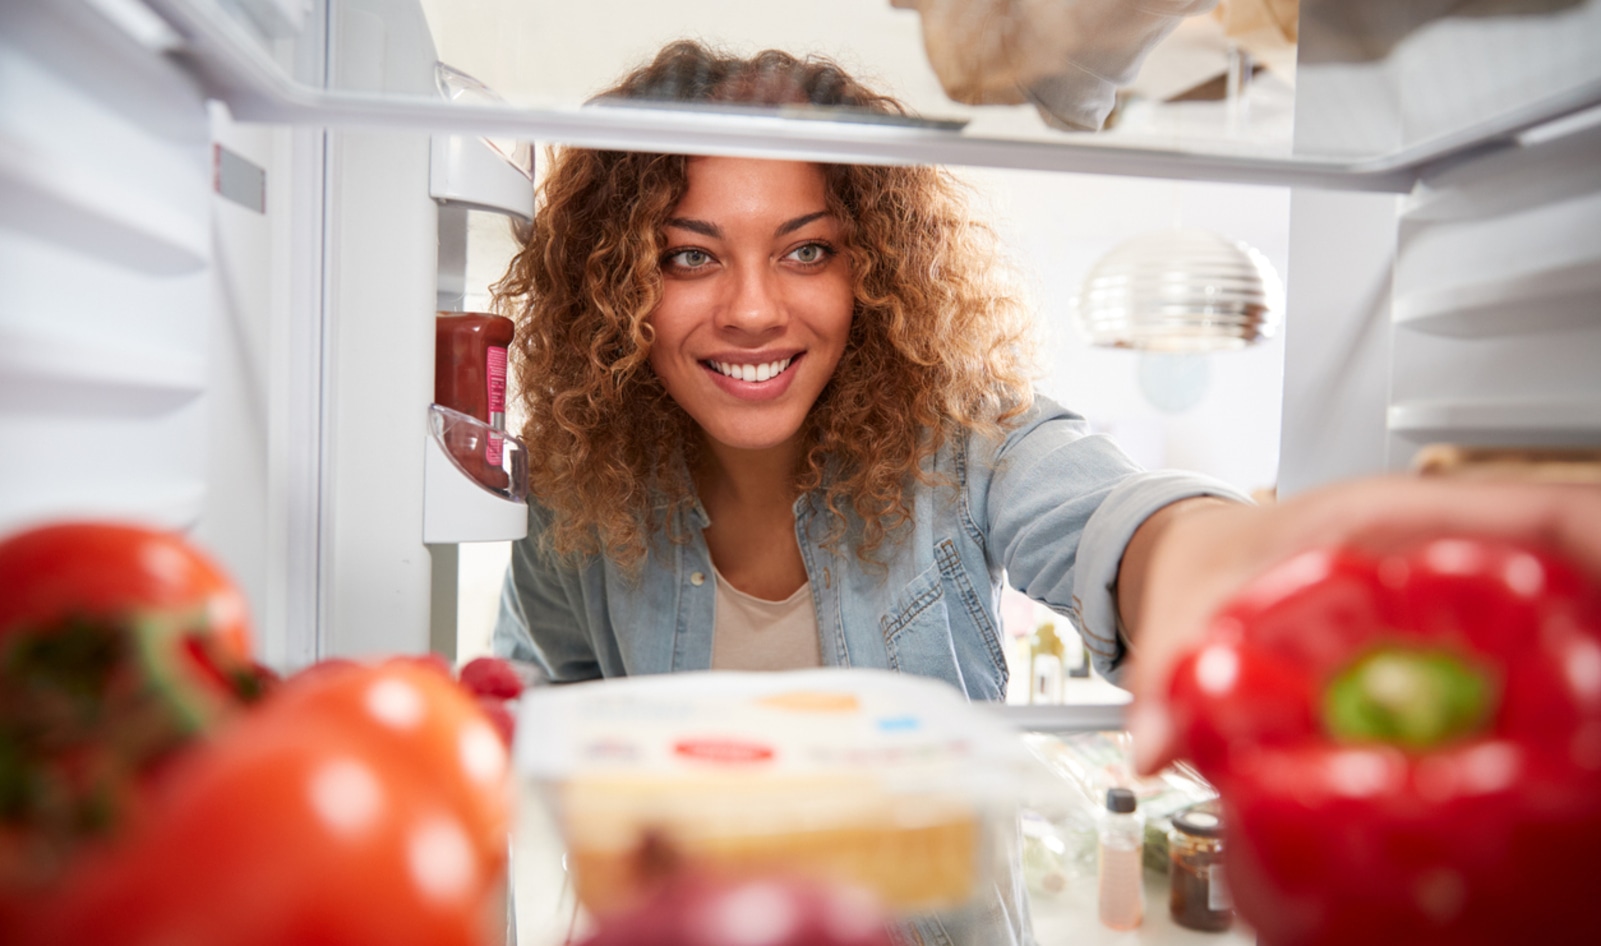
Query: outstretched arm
<point>1190,557</point>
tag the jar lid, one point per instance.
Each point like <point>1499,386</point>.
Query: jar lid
<point>1120,800</point>
<point>1200,820</point>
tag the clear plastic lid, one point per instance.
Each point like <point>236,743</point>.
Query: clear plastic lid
<point>884,780</point>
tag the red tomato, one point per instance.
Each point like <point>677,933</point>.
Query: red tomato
<point>287,835</point>
<point>348,811</point>
<point>499,714</point>
<point>119,645</point>
<point>492,677</point>
<point>97,569</point>
<point>424,718</point>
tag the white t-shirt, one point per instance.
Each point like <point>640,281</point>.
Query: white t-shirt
<point>750,633</point>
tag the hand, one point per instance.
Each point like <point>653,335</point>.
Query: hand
<point>1205,555</point>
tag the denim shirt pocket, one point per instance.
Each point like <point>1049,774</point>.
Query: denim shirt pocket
<point>974,633</point>
<point>917,628</point>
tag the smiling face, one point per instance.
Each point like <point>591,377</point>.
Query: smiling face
<point>756,300</point>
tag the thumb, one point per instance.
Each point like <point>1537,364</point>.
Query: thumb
<point>1151,731</point>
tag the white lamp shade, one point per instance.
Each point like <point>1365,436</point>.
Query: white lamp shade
<point>1180,290</point>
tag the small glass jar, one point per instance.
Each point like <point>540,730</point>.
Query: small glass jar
<point>1199,895</point>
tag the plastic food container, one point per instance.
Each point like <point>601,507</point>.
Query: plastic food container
<point>886,781</point>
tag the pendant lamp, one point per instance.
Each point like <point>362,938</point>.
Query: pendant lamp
<point>1180,290</point>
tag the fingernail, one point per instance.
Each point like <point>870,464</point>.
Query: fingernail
<point>1151,731</point>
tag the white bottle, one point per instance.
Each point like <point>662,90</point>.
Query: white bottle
<point>1121,872</point>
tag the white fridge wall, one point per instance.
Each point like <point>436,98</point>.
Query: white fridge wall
<point>263,511</point>
<point>173,358</point>
<point>380,266</point>
<point>323,364</point>
<point>1336,338</point>
<point>105,270</point>
<point>1375,76</point>
<point>1497,338</point>
<point>247,357</point>
<point>1468,312</point>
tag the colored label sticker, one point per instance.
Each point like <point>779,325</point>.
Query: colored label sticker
<point>725,751</point>
<point>497,401</point>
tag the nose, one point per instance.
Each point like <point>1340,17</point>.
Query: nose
<point>756,305</point>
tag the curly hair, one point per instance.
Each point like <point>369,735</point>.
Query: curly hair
<point>939,343</point>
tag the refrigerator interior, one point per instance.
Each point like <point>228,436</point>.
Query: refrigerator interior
<point>222,249</point>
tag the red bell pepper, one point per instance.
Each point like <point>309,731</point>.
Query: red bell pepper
<point>1407,746</point>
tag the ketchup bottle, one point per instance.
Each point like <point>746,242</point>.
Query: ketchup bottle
<point>470,376</point>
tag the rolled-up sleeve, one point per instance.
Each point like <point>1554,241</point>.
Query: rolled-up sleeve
<point>1058,506</point>
<point>1106,535</point>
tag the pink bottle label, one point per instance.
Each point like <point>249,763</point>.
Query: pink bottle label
<point>497,402</point>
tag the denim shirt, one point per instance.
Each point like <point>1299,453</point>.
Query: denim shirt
<point>1048,507</point>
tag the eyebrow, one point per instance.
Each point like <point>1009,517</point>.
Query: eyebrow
<point>696,226</point>
<point>715,232</point>
<point>798,222</point>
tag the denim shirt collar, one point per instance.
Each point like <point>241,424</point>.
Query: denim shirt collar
<point>697,519</point>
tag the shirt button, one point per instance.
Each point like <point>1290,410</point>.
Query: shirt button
<point>697,578</point>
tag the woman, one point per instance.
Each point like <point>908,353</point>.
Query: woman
<point>780,417</point>
<point>748,379</point>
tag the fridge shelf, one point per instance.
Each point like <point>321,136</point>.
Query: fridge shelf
<point>76,376</point>
<point>1555,298</point>
<point>1509,422</point>
<point>1064,717</point>
<point>168,504</point>
<point>50,197</point>
<point>234,67</point>
<point>1556,160</point>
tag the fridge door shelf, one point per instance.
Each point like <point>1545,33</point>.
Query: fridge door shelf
<point>475,481</point>
<point>467,172</point>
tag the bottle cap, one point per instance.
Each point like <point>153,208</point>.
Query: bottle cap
<point>1120,800</point>
<point>1199,820</point>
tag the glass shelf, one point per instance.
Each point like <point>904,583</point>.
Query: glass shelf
<point>1375,101</point>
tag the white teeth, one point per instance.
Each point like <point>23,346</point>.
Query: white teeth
<point>752,372</point>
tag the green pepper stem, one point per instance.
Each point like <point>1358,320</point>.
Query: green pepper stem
<point>1409,697</point>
